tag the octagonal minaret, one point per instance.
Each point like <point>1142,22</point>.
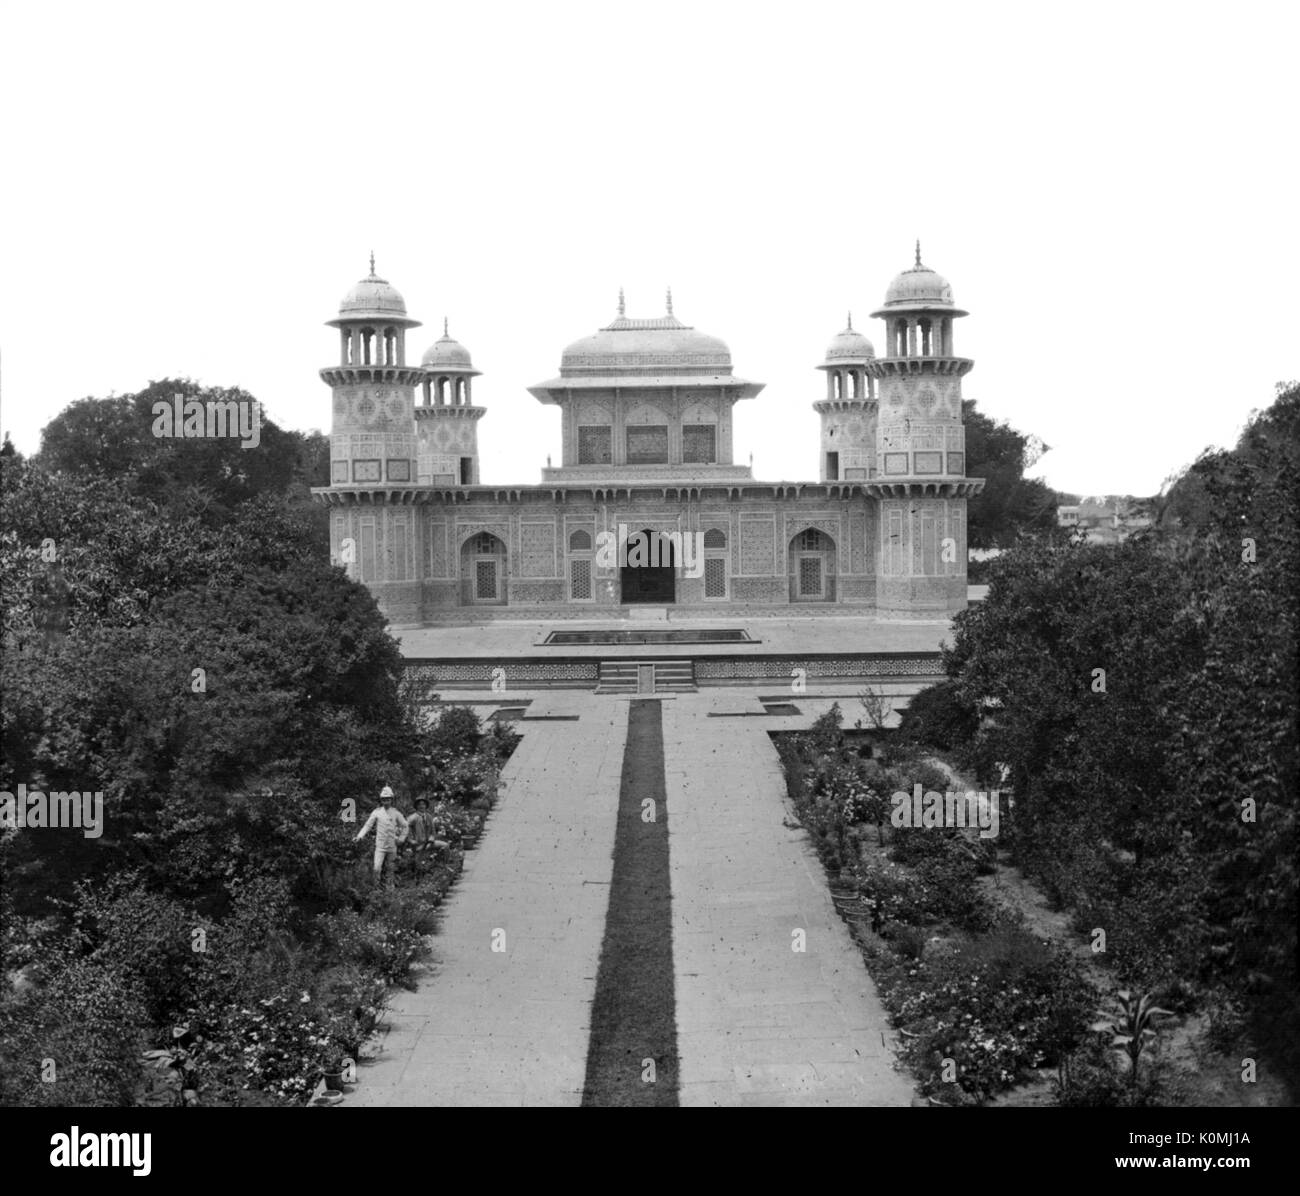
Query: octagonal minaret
<point>373,447</point>
<point>920,450</point>
<point>848,412</point>
<point>446,422</point>
<point>372,439</point>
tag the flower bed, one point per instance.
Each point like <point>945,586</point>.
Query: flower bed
<point>977,999</point>
<point>978,1012</point>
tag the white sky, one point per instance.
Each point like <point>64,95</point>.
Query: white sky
<point>1110,188</point>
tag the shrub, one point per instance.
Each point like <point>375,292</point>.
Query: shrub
<point>500,742</point>
<point>387,941</point>
<point>355,1000</point>
<point>924,895</point>
<point>937,717</point>
<point>909,941</point>
<point>1095,1080</point>
<point>278,1043</point>
<point>75,1039</point>
<point>904,775</point>
<point>466,781</point>
<point>1132,1023</point>
<point>146,937</point>
<point>454,821</point>
<point>456,733</point>
<point>994,1005</point>
<point>824,737</point>
<point>938,883</point>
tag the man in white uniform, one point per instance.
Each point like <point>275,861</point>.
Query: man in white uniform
<point>390,830</point>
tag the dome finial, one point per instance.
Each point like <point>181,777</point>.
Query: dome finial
<point>850,321</point>
<point>670,301</point>
<point>918,253</point>
<point>622,307</point>
<point>372,263</point>
<point>444,327</point>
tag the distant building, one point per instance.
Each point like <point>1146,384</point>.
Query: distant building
<point>646,408</point>
<point>1106,519</point>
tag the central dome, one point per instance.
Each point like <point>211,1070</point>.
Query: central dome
<point>657,346</point>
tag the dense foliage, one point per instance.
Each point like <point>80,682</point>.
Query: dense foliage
<point>1136,704</point>
<point>1140,699</point>
<point>176,638</point>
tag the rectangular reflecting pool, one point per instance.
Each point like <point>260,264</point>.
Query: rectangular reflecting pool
<point>666,636</point>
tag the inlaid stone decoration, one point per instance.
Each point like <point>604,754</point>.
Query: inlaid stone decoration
<point>537,551</point>
<point>846,665</point>
<point>757,550</point>
<point>647,445</point>
<point>438,550</point>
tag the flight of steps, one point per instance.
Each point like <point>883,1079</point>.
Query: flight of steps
<point>646,677</point>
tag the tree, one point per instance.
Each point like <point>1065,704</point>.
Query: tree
<point>1143,696</point>
<point>205,477</point>
<point>185,662</point>
<point>1010,504</point>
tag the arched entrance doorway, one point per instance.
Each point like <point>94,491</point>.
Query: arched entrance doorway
<point>812,567</point>
<point>648,569</point>
<point>483,570</point>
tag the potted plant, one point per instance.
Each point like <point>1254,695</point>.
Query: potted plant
<point>339,1070</point>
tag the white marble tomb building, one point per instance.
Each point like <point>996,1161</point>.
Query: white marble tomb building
<point>646,409</point>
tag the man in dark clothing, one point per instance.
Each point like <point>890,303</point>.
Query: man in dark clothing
<point>423,828</point>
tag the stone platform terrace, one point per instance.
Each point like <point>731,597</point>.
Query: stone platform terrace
<point>768,636</point>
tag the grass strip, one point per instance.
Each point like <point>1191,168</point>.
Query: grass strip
<point>633,1015</point>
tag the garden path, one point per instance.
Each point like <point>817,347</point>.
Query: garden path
<point>510,1027</point>
<point>759,1023</point>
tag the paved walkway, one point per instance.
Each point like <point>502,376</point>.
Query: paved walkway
<point>510,1028</point>
<point>757,1022</point>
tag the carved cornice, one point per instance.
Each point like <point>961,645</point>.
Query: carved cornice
<point>782,491</point>
<point>354,375</point>
<point>852,406</point>
<point>924,488</point>
<point>430,412</point>
<point>885,367</point>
